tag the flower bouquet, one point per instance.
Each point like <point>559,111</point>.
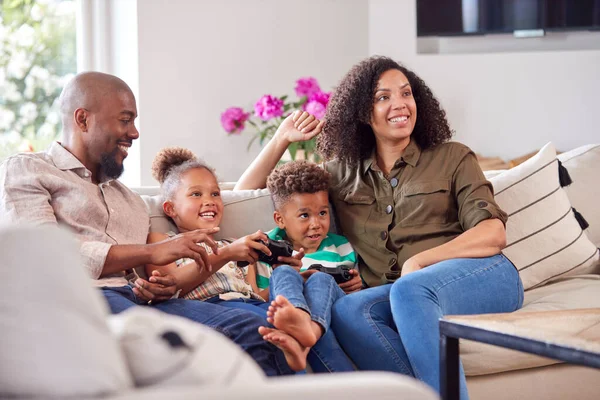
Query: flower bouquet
<point>270,111</point>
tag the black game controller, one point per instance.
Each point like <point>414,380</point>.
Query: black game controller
<point>341,273</point>
<point>279,248</point>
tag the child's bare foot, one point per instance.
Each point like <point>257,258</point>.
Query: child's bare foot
<point>293,321</point>
<point>294,352</point>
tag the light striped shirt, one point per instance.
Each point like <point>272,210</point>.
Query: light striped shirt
<point>333,251</point>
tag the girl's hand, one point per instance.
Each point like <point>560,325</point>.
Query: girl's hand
<point>294,261</point>
<point>354,284</point>
<point>246,248</point>
<point>299,126</point>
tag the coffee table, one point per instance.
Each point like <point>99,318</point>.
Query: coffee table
<point>518,331</point>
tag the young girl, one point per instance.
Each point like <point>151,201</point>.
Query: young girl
<point>192,200</point>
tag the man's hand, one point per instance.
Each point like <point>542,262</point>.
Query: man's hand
<point>410,265</point>
<point>246,248</point>
<point>159,287</point>
<point>184,245</point>
<point>354,284</point>
<point>294,261</point>
<point>299,126</point>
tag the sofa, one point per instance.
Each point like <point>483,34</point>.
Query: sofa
<point>59,342</point>
<point>557,258</point>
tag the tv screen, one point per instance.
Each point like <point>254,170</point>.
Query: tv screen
<point>479,17</point>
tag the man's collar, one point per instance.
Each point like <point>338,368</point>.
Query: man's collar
<point>62,158</point>
<point>411,156</point>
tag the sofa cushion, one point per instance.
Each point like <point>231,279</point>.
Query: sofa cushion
<point>55,340</point>
<point>544,239</point>
<point>583,164</point>
<point>565,294</point>
<point>245,211</point>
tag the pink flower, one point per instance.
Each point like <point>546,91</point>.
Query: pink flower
<point>233,119</point>
<point>317,104</point>
<point>268,107</point>
<point>306,87</point>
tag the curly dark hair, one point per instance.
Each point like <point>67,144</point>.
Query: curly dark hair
<point>347,133</point>
<point>172,162</point>
<point>296,177</point>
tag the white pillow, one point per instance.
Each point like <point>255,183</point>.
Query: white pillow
<point>544,240</point>
<point>583,164</point>
<point>166,350</point>
<point>55,341</point>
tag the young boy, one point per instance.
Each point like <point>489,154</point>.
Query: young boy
<point>302,300</point>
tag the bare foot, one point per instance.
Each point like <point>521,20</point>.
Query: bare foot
<point>293,321</point>
<point>294,352</point>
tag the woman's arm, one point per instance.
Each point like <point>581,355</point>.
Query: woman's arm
<point>299,126</point>
<point>485,239</point>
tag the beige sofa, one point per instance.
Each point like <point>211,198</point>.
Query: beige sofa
<point>492,373</point>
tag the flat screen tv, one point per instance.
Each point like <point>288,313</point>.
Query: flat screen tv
<point>480,17</point>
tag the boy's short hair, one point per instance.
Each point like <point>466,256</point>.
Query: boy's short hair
<point>296,177</point>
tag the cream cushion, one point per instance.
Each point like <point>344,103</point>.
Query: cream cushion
<point>565,294</point>
<point>245,212</point>
<point>55,341</point>
<point>544,240</point>
<point>583,164</point>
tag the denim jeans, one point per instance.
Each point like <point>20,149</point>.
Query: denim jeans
<point>395,327</point>
<point>319,293</point>
<point>238,325</point>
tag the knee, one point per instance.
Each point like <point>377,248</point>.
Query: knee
<point>285,272</point>
<point>322,278</point>
<point>408,287</point>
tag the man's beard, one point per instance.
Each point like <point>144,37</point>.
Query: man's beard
<point>109,166</point>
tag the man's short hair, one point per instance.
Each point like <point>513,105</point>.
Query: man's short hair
<point>296,177</point>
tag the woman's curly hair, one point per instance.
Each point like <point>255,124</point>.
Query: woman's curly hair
<point>170,164</point>
<point>296,177</point>
<point>347,134</point>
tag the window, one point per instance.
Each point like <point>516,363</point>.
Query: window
<point>37,57</point>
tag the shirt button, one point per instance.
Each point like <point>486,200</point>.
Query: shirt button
<point>112,210</point>
<point>482,204</point>
<point>394,182</point>
<point>383,235</point>
<point>388,209</point>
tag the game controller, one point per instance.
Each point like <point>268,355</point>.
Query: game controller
<point>341,273</point>
<point>279,248</point>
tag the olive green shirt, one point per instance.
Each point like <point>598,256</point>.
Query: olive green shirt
<point>429,198</point>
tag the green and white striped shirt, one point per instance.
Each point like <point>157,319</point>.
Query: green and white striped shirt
<point>334,250</point>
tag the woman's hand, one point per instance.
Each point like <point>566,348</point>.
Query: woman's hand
<point>299,126</point>
<point>354,284</point>
<point>410,265</point>
<point>246,248</point>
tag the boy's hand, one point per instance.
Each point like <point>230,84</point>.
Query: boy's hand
<point>299,126</point>
<point>184,245</point>
<point>306,274</point>
<point>294,261</point>
<point>246,248</point>
<point>354,284</point>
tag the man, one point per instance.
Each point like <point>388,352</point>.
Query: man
<point>74,184</point>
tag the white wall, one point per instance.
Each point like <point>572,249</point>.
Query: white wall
<point>502,104</point>
<point>196,58</point>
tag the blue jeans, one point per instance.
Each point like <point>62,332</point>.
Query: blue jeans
<point>319,293</point>
<point>238,325</point>
<point>395,327</point>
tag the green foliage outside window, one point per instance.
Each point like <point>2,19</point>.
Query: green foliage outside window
<point>37,57</point>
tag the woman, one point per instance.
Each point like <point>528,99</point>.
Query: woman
<point>417,209</point>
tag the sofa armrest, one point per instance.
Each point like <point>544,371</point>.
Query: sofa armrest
<point>346,386</point>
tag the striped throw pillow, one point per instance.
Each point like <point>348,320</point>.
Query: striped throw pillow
<point>545,240</point>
